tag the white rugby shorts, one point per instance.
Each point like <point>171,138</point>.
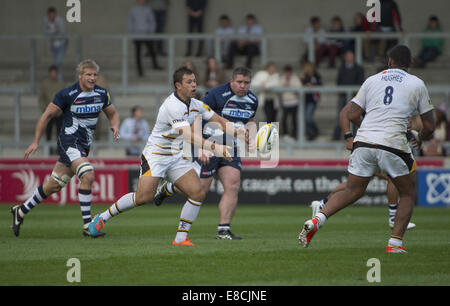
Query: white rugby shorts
<point>169,167</point>
<point>367,159</point>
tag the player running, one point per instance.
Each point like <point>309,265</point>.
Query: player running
<point>389,98</point>
<point>392,193</point>
<point>80,105</point>
<point>235,102</point>
<point>163,157</point>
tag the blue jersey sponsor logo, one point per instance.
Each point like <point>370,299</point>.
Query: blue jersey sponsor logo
<point>237,113</point>
<point>87,109</point>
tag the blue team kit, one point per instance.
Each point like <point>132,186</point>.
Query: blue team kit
<point>227,104</point>
<point>80,115</point>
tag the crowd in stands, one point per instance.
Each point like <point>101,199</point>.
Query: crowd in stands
<point>150,16</point>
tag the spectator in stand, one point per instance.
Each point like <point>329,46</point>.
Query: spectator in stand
<point>435,146</point>
<point>249,47</point>
<point>431,47</point>
<point>214,76</point>
<point>360,24</point>
<point>159,8</point>
<point>338,45</point>
<point>134,129</point>
<point>266,79</point>
<point>310,78</point>
<point>319,42</point>
<point>50,87</point>
<point>224,29</point>
<point>289,102</point>
<point>196,14</point>
<point>190,65</point>
<point>54,26</point>
<point>390,22</point>
<point>350,73</point>
<point>141,20</point>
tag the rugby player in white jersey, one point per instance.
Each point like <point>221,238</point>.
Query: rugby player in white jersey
<point>163,157</point>
<point>389,98</point>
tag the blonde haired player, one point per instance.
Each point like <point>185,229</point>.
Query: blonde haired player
<point>79,105</point>
<point>162,157</point>
<point>389,98</point>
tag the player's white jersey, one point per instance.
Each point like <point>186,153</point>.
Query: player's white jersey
<point>173,114</point>
<point>389,98</point>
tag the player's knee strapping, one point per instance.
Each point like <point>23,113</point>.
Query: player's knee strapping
<point>84,168</point>
<point>61,180</point>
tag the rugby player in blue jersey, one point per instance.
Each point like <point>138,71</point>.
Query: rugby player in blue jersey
<point>236,103</point>
<point>80,105</point>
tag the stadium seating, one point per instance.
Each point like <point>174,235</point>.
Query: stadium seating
<point>15,57</point>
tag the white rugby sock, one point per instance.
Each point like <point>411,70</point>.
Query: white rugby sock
<point>125,203</point>
<point>395,241</point>
<point>188,215</point>
<point>169,188</point>
<point>321,219</point>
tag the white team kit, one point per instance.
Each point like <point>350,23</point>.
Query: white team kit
<point>163,154</point>
<point>389,98</point>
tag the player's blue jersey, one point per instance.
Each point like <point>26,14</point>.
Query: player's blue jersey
<point>80,111</point>
<point>226,103</point>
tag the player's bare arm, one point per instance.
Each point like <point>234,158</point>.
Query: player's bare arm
<point>251,133</point>
<point>199,141</point>
<point>113,117</point>
<point>51,111</point>
<point>203,155</point>
<point>229,128</point>
<point>350,113</point>
<point>428,126</point>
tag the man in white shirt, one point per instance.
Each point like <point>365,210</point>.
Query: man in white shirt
<point>223,30</point>
<point>249,47</point>
<point>388,98</point>
<point>163,156</point>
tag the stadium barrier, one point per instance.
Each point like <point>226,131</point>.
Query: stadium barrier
<point>162,92</point>
<point>125,39</point>
<point>292,182</point>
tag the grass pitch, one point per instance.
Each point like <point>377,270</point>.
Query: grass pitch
<point>137,249</point>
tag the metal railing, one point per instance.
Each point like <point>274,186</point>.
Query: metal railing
<point>81,40</point>
<point>162,92</point>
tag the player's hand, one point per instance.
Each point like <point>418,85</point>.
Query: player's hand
<point>242,134</point>
<point>349,144</point>
<point>31,149</point>
<point>415,141</point>
<point>204,156</point>
<point>223,151</point>
<point>115,131</point>
<point>251,148</point>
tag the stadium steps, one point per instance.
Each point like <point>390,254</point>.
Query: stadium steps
<point>17,75</point>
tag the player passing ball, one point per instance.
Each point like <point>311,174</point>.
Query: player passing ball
<point>388,98</point>
<point>235,102</point>
<point>162,157</point>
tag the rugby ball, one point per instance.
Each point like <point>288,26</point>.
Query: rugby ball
<point>415,134</point>
<point>266,138</point>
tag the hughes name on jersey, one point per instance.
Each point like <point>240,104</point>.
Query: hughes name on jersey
<point>389,99</point>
